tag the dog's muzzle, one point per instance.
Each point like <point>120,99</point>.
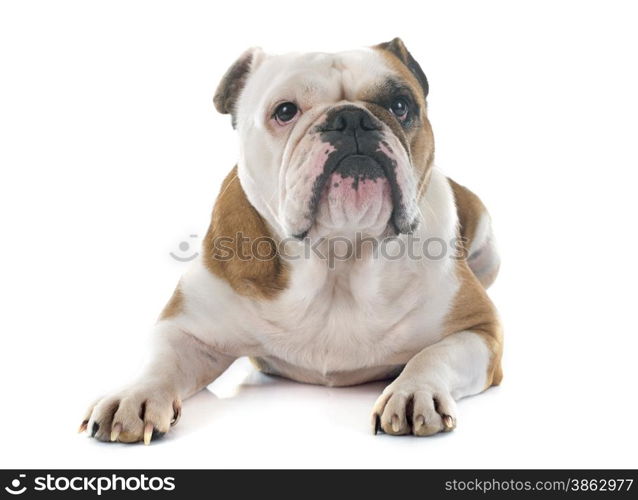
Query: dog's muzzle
<point>359,152</point>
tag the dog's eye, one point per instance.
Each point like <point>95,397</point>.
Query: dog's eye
<point>286,112</point>
<point>400,108</point>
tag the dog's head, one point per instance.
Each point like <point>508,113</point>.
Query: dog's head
<point>331,143</point>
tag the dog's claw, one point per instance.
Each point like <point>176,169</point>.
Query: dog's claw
<point>115,432</point>
<point>396,424</point>
<point>376,423</point>
<point>419,421</point>
<point>448,422</point>
<point>148,433</point>
<point>83,426</point>
<point>177,412</point>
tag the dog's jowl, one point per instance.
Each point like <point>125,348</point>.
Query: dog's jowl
<point>317,263</point>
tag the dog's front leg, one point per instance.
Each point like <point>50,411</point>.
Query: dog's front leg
<point>181,365</point>
<point>421,400</point>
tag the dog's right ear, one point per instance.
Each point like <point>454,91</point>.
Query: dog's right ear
<point>234,80</point>
<point>399,50</point>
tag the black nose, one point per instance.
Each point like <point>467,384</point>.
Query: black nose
<point>349,119</point>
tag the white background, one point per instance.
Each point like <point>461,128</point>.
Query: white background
<point>111,154</point>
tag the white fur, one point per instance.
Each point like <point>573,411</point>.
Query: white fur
<point>364,313</point>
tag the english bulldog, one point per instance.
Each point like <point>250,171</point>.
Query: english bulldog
<point>318,262</point>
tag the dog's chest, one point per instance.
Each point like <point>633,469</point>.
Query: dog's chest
<point>358,315</point>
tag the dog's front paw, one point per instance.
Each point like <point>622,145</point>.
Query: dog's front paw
<point>139,413</point>
<point>421,409</point>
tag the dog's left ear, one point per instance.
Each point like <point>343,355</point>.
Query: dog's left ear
<point>234,81</point>
<point>398,49</point>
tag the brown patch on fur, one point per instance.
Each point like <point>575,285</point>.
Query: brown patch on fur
<point>472,310</point>
<point>484,262</point>
<point>469,208</point>
<point>420,137</point>
<point>174,305</point>
<point>235,232</point>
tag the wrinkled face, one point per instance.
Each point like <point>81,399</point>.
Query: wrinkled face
<point>333,144</point>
